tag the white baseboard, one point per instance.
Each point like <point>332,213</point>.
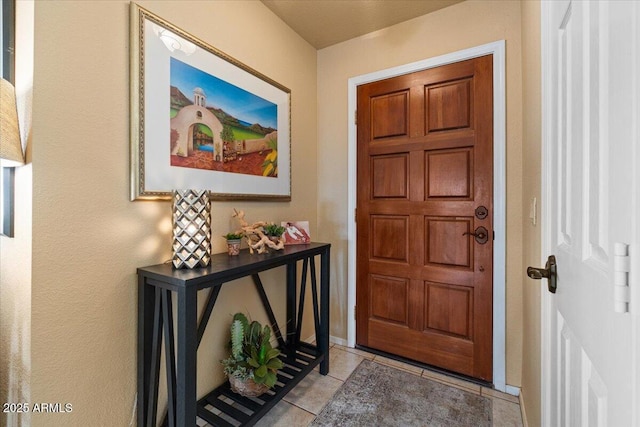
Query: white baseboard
<point>512,390</point>
<point>339,341</point>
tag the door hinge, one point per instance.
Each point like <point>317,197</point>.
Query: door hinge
<point>355,215</point>
<point>355,117</point>
<point>355,312</point>
<point>621,267</point>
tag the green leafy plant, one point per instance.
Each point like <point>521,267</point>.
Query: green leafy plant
<point>273,230</point>
<point>252,356</point>
<point>233,236</point>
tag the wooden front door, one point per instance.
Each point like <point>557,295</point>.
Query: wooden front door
<point>425,183</point>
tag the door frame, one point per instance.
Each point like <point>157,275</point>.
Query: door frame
<point>545,217</point>
<point>497,49</point>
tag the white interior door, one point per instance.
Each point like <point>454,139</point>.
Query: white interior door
<point>590,213</point>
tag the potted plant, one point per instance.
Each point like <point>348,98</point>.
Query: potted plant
<point>233,242</point>
<point>273,231</point>
<point>253,363</point>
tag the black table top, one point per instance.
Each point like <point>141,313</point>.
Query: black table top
<point>224,267</point>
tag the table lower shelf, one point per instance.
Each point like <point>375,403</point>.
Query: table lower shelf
<point>222,407</point>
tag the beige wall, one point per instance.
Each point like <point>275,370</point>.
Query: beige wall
<point>460,26</point>
<point>531,234</point>
<point>88,238</point>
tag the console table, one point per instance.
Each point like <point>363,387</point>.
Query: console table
<point>156,286</point>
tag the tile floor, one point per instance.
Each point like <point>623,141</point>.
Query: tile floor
<point>301,405</point>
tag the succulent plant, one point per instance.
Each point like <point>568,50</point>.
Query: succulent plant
<point>233,236</point>
<point>252,355</point>
<point>273,230</point>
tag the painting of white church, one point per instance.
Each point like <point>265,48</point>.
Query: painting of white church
<point>218,126</point>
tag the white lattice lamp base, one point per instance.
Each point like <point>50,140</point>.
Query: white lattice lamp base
<point>191,228</point>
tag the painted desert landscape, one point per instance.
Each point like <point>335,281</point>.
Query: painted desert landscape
<point>219,126</point>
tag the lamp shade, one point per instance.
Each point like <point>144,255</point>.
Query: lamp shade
<point>10,145</point>
<point>191,228</point>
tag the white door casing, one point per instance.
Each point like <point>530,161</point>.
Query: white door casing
<point>497,49</point>
<point>591,212</point>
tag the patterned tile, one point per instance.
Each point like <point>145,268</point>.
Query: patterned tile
<point>285,414</point>
<point>313,392</point>
<point>342,363</point>
<point>506,414</point>
<point>357,351</point>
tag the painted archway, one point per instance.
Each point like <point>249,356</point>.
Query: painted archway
<point>183,124</point>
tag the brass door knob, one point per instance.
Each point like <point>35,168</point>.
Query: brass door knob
<point>481,234</point>
<point>549,272</point>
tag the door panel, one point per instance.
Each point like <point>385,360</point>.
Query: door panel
<point>449,173</point>
<point>390,176</point>
<point>390,115</point>
<point>449,106</point>
<point>449,233</point>
<point>449,309</point>
<point>389,298</point>
<point>389,238</point>
<point>425,163</point>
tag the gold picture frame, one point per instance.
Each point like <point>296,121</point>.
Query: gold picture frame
<point>232,137</point>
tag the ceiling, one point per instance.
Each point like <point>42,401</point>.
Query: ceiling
<point>324,23</point>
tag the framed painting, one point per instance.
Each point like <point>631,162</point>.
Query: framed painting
<point>201,119</point>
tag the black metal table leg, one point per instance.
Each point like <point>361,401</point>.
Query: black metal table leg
<point>145,304</point>
<point>314,300</point>
<point>187,329</point>
<point>154,363</point>
<point>267,307</point>
<point>149,329</point>
<point>169,356</point>
<point>303,287</point>
<point>206,314</point>
<point>291,306</point>
<point>323,339</point>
